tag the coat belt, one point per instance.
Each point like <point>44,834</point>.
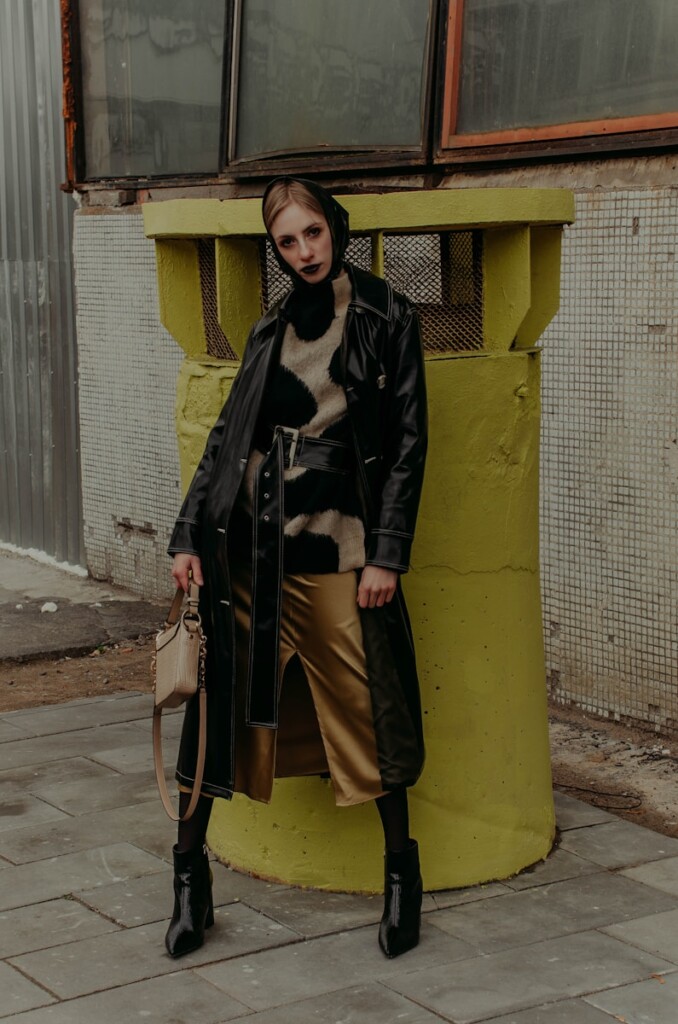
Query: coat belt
<point>285,448</point>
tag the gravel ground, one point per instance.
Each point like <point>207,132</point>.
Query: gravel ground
<point>626,770</point>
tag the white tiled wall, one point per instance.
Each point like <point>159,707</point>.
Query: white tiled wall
<point>128,365</point>
<point>610,460</point>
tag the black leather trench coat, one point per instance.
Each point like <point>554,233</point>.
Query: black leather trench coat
<point>386,400</point>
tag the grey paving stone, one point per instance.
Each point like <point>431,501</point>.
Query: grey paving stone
<point>39,749</point>
<point>172,722</point>
<point>48,924</point>
<point>456,897</point>
<point>647,1002</point>
<point>80,796</point>
<point>145,825</point>
<point>33,776</point>
<point>528,976</point>
<point>47,879</point>
<point>180,998</point>
<point>657,934</point>
<point>316,966</point>
<point>239,886</point>
<point>558,866</point>
<point>660,874</point>
<point>134,902</point>
<point>18,993</point>
<point>318,913</point>
<point>366,1004</point>
<point>138,901</point>
<point>572,813</point>
<point>70,717</point>
<point>135,954</point>
<point>428,905</point>
<point>544,912</point>
<point>618,844</point>
<point>132,757</point>
<point>10,731</point>
<point>569,1011</point>
<point>19,810</point>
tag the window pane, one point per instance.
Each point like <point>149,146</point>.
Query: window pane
<point>151,85</point>
<point>538,62</point>
<point>323,73</point>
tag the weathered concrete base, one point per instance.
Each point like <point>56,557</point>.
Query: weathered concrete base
<point>483,808</point>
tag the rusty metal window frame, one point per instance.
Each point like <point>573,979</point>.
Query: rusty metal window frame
<point>341,159</point>
<point>587,138</point>
<point>436,154</point>
<point>72,108</point>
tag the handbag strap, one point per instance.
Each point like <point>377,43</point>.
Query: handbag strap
<point>192,601</point>
<point>172,618</point>
<point>200,762</point>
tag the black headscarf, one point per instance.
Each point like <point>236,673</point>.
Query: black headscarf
<point>311,306</point>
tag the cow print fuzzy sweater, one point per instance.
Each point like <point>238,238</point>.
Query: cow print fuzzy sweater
<point>323,529</point>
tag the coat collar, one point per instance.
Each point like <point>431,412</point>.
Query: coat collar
<point>369,292</point>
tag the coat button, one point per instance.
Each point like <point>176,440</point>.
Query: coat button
<point>266,518</point>
<point>267,474</point>
<point>267,496</point>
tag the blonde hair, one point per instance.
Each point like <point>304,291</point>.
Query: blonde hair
<point>281,194</point>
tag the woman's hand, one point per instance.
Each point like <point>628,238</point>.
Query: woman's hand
<point>182,564</point>
<point>377,586</point>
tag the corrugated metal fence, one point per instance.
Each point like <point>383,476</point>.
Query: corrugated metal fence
<point>40,504</point>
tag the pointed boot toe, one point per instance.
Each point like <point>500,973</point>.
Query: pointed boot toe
<point>193,907</point>
<point>403,890</point>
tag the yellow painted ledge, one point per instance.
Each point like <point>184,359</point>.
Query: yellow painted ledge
<point>400,211</point>
<point>483,808</point>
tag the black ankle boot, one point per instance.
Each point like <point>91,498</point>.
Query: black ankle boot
<point>193,909</point>
<point>399,928</point>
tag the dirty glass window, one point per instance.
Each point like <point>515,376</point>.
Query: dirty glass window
<point>330,75</point>
<point>152,73</point>
<point>551,62</point>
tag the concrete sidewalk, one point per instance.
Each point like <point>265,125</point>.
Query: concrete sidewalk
<point>87,613</point>
<point>588,937</point>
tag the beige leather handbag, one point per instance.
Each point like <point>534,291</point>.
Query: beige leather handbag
<point>178,674</point>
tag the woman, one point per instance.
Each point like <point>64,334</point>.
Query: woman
<point>297,526</point>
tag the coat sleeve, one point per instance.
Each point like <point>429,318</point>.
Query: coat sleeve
<point>187,528</point>
<point>404,449</point>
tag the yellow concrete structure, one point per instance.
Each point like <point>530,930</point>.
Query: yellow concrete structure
<point>483,808</point>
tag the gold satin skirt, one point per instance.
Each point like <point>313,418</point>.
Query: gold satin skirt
<point>325,715</point>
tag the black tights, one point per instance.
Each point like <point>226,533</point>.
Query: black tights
<point>392,808</point>
<point>395,819</point>
<point>192,832</point>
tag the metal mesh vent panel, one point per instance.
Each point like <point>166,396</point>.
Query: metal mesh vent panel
<point>217,342</point>
<point>275,282</point>
<point>442,274</point>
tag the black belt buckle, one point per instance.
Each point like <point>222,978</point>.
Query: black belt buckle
<point>293,434</point>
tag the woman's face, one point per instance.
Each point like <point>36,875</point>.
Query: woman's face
<point>304,241</point>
